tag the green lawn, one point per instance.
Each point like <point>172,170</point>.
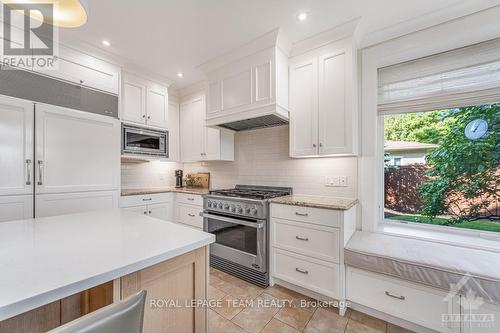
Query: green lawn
<point>485,225</point>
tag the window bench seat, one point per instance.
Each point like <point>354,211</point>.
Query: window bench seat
<point>443,266</point>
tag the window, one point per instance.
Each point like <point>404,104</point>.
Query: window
<point>441,119</point>
<point>442,167</point>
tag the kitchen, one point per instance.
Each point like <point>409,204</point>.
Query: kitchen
<point>245,172</point>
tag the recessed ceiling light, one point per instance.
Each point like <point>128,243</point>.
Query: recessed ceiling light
<point>106,43</point>
<point>302,16</point>
<point>180,74</point>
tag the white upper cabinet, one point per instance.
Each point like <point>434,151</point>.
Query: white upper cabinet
<point>304,100</point>
<point>134,100</point>
<point>249,82</point>
<point>85,70</point>
<point>16,146</point>
<point>157,106</point>
<point>323,106</point>
<point>76,151</point>
<point>173,132</point>
<point>144,102</point>
<point>201,143</point>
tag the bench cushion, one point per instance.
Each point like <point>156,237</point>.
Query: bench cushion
<point>438,265</point>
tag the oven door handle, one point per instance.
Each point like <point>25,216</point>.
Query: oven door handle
<point>256,225</point>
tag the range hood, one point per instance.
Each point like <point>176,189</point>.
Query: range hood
<point>248,88</point>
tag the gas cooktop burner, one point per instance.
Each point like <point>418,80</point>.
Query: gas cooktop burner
<point>252,192</point>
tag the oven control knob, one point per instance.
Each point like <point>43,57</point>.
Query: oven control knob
<point>220,205</point>
<point>226,207</point>
<point>209,204</point>
<point>253,211</point>
<point>239,210</point>
<point>233,208</point>
<point>247,210</point>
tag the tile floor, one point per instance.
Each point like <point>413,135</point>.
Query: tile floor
<point>244,308</point>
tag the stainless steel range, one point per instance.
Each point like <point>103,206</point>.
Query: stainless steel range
<point>239,219</point>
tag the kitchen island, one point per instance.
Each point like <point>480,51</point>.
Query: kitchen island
<point>55,269</point>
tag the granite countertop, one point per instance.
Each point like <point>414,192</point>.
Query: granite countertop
<point>49,258</point>
<point>316,201</point>
<point>188,190</point>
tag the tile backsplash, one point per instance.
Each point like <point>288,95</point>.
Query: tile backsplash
<point>148,174</point>
<point>262,158</point>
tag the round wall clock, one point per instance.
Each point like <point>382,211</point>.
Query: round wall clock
<point>476,129</point>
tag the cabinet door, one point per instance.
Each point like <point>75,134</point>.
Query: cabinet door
<point>304,108</point>
<point>138,209</point>
<point>162,211</point>
<point>16,146</point>
<point>82,69</point>
<point>157,106</point>
<point>76,151</point>
<point>16,207</point>
<point>69,203</point>
<point>193,129</point>
<point>335,111</point>
<point>212,144</point>
<point>134,100</point>
<point>173,132</point>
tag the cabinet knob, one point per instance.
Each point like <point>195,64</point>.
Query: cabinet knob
<point>149,117</point>
<point>314,145</point>
<point>321,145</point>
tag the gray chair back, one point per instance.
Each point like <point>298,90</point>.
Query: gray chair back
<point>126,316</point>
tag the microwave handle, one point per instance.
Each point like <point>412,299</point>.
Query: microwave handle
<point>256,225</point>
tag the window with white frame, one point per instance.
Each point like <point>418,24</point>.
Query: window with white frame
<point>441,119</point>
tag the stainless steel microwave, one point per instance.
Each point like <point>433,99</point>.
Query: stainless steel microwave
<point>144,141</point>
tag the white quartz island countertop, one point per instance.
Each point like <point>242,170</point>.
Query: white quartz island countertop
<point>45,259</point>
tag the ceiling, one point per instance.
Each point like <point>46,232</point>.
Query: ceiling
<point>170,36</point>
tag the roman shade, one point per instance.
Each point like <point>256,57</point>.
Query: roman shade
<point>460,77</point>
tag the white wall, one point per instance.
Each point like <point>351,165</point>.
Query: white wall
<point>149,174</point>
<point>261,158</point>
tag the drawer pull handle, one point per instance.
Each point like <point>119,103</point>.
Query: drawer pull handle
<point>192,215</point>
<point>190,199</point>
<point>301,271</point>
<point>147,199</point>
<point>305,239</point>
<point>301,214</point>
<point>401,298</point>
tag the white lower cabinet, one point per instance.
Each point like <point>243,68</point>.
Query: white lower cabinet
<point>415,303</point>
<point>307,246</point>
<point>317,275</point>
<point>190,215</point>
<point>478,316</point>
<point>16,207</point>
<point>69,203</point>
<point>158,205</point>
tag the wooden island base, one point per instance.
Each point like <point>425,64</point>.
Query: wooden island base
<point>177,281</point>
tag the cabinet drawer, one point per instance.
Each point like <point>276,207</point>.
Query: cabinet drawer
<point>145,199</point>
<point>190,215</point>
<point>307,239</point>
<point>190,199</point>
<point>316,275</point>
<point>327,217</point>
<point>415,303</point>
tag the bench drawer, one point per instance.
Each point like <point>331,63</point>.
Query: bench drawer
<point>316,275</point>
<point>189,199</point>
<point>415,303</point>
<point>190,215</point>
<point>307,239</point>
<point>326,217</point>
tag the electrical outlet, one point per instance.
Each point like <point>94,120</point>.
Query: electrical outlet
<point>336,181</point>
<point>332,181</point>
